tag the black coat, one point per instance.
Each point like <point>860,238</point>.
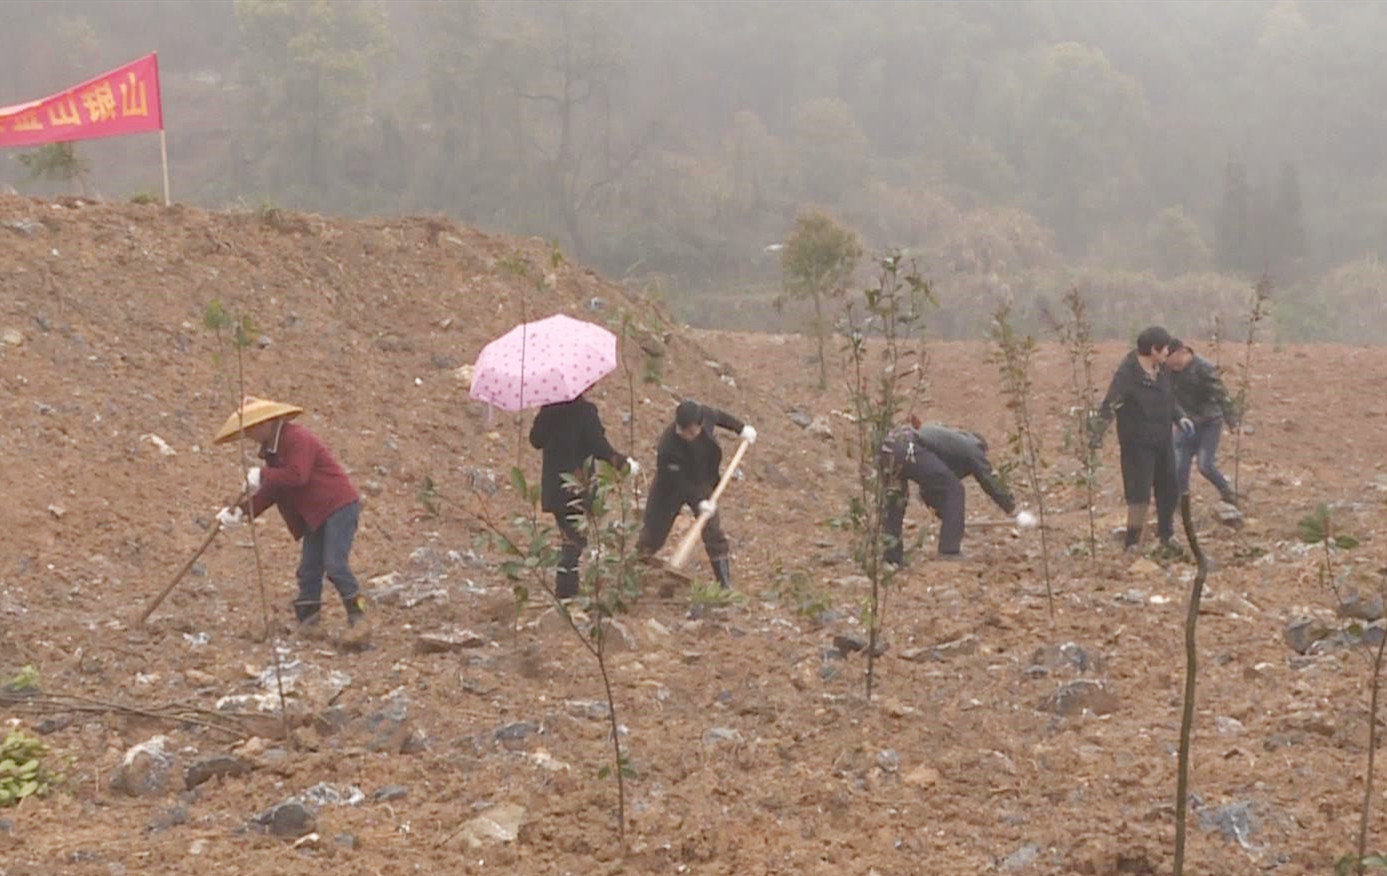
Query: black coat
<point>570,435</point>
<point>1145,407</point>
<point>688,471</point>
<point>965,454</point>
<point>1200,391</point>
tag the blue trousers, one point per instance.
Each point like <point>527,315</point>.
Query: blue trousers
<point>326,551</point>
<point>1200,445</point>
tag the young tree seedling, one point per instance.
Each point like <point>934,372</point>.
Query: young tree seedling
<point>1258,306</point>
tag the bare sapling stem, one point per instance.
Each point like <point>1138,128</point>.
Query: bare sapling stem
<point>1013,360</point>
<point>1363,816</point>
<point>1077,335</point>
<point>1191,677</point>
<point>1258,303</point>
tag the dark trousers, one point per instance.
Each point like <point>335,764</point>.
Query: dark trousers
<point>1147,468</point>
<point>1202,446</point>
<point>660,512</point>
<point>571,551</point>
<point>903,462</point>
<point>326,550</point>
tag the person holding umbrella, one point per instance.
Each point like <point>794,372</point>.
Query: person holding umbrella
<point>687,467</point>
<point>315,497</point>
<point>551,363</point>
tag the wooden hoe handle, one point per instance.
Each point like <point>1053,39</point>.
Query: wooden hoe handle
<point>681,553</point>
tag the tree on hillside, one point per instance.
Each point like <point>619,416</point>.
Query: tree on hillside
<point>1233,233</point>
<point>1177,246</point>
<point>1287,244</point>
<point>58,162</point>
<point>816,265</point>
<point>312,66</point>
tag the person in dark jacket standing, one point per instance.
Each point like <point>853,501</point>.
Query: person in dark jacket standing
<point>1141,398</point>
<point>1200,391</point>
<point>315,497</point>
<point>570,436</point>
<point>687,469</point>
<point>936,459</point>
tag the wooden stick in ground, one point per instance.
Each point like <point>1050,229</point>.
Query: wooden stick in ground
<point>681,553</point>
<point>212,530</point>
<point>1182,779</point>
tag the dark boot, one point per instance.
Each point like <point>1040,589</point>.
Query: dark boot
<point>566,577</point>
<point>722,569</point>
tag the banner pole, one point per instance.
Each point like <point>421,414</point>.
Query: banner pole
<point>164,154</point>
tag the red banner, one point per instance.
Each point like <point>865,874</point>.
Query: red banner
<point>124,101</point>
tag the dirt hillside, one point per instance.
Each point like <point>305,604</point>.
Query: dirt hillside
<point>1000,738</point>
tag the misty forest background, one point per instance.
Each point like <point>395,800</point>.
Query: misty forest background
<point>1158,155</point>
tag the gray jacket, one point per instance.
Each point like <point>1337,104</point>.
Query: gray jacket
<point>965,453</point>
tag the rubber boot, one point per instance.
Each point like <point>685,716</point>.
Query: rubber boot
<point>358,624</point>
<point>722,569</point>
<point>566,576</point>
<point>308,615</point>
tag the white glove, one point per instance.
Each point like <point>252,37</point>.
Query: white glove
<point>1026,520</point>
<point>253,480</point>
<point>748,434</point>
<point>229,517</point>
<point>633,468</point>
<point>1186,425</point>
<point>707,507</point>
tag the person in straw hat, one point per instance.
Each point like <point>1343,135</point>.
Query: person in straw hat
<point>314,496</point>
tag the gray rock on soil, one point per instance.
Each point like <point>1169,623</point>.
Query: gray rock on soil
<point>146,770</point>
<point>1303,632</point>
<point>1359,607</point>
<point>1078,697</point>
<point>218,765</point>
<point>290,819</point>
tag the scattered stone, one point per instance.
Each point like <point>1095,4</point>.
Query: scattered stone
<point>720,735</point>
<point>393,344</point>
<point>849,644</point>
<point>596,304</point>
<point>1358,607</point>
<point>619,638</point>
<point>1235,821</point>
<point>922,777</point>
<point>372,487</point>
<point>1302,632</point>
<point>387,793</point>
<point>820,428</point>
<point>500,823</point>
<point>1022,857</point>
<point>888,761</point>
<point>1067,656</point>
<point>658,633</point>
<point>215,766</point>
<point>960,647</point>
<point>199,678</point>
<point>1078,697</point>
<point>145,770</point>
<point>290,819</point>
<point>897,709</point>
<point>171,817</point>
<point>801,419</point>
<point>463,374</point>
<point>324,794</point>
<point>198,846</point>
<point>443,362</point>
<point>389,728</point>
<point>592,710</point>
<point>1226,726</point>
<point>12,337</point>
<point>164,448</point>
<point>263,342</point>
<point>345,841</point>
<point>515,737</point>
<point>57,511</point>
<point>447,640</point>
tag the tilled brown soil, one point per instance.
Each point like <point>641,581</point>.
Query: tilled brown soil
<point>753,746</point>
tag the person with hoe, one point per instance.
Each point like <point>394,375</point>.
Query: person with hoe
<point>1200,391</point>
<point>687,469</point>
<point>936,459</point>
<point>1142,400</point>
<point>321,508</point>
<point>571,437</point>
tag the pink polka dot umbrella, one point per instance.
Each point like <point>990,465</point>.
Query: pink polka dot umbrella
<point>542,362</point>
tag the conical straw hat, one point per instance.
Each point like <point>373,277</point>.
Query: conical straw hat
<point>253,410</point>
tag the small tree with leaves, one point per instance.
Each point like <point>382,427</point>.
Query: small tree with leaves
<point>1076,335</point>
<point>1258,306</point>
<point>1012,357</point>
<point>238,335</point>
<point>881,387</point>
<point>57,162</point>
<point>816,265</point>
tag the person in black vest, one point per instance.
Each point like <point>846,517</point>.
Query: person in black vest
<point>1141,398</point>
<point>1200,391</point>
<point>571,437</point>
<point>687,469</point>
<point>937,458</point>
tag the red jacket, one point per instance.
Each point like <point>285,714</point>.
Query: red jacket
<point>303,478</point>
